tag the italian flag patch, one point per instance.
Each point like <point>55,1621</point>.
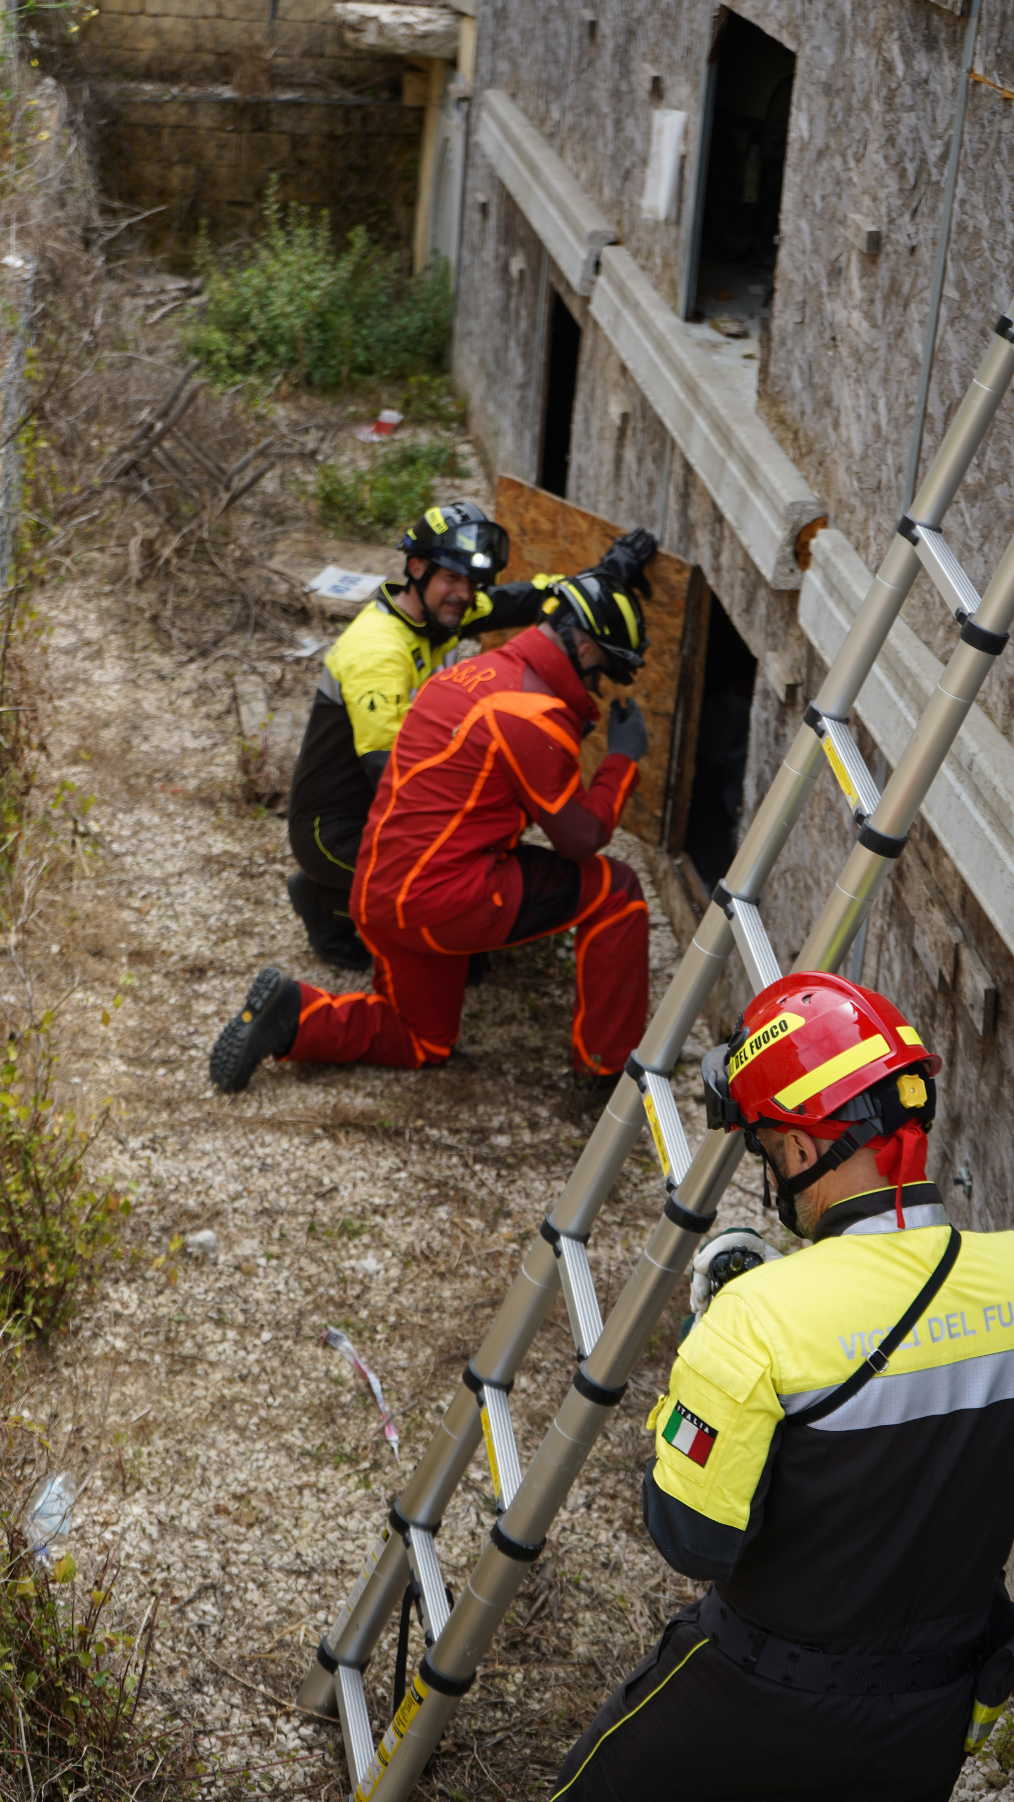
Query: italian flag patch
<point>690,1434</point>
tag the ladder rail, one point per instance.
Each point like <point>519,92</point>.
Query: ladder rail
<point>941,720</point>
<point>585,1410</point>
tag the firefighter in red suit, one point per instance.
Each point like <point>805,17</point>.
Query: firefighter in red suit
<point>488,747</point>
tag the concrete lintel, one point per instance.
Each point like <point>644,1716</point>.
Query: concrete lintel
<point>708,406</point>
<point>571,226</point>
<point>397,30</point>
<point>968,806</point>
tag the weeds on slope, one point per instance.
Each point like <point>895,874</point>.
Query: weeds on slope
<point>71,1682</point>
<point>293,305</point>
<point>377,501</point>
<point>56,1226</point>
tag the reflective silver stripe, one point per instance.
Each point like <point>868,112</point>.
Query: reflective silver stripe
<point>890,1399</point>
<point>329,685</point>
<point>929,1213</point>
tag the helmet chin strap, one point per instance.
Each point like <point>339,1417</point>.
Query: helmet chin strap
<point>788,1187</point>
<point>565,633</point>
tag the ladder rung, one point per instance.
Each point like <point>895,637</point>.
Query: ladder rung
<point>579,1293</point>
<point>849,766</point>
<point>422,1556</point>
<point>501,1445</point>
<point>752,941</point>
<point>355,1720</point>
<point>945,571</point>
<point>666,1125</point>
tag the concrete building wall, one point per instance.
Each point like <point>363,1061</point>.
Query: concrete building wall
<point>838,365</point>
<point>194,107</point>
<point>206,154</point>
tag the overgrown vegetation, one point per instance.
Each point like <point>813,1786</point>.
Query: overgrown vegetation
<point>56,1226</point>
<point>70,1682</point>
<point>293,305</point>
<point>374,502</point>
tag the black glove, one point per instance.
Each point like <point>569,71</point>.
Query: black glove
<point>626,732</point>
<point>623,560</point>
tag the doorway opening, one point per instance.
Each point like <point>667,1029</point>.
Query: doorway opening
<point>563,350</point>
<point>749,100</point>
<point>723,738</point>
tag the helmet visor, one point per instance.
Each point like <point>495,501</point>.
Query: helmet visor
<point>477,548</point>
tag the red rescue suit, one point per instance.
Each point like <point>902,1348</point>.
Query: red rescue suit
<point>489,746</point>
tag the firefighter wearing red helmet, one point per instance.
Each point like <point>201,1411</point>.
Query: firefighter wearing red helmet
<point>834,1422</point>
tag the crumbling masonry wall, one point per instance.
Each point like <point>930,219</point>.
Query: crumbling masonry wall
<point>873,101</point>
<point>195,107</point>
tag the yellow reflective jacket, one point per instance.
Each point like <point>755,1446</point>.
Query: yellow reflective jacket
<point>370,676</point>
<point>886,1522</point>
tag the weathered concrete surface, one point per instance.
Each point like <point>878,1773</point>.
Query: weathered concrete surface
<point>398,30</point>
<point>194,105</point>
<point>207,153</point>
<point>869,135</point>
<point>500,347</point>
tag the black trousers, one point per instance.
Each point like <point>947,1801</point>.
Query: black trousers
<point>690,1726</point>
<point>326,849</point>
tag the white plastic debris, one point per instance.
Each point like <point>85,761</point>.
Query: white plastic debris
<point>203,1244</point>
<point>340,1342</point>
<point>48,1515</point>
<point>307,647</point>
<point>344,584</point>
<point>385,423</point>
<point>370,1265</point>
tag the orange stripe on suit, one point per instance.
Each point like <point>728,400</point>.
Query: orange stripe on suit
<point>488,746</point>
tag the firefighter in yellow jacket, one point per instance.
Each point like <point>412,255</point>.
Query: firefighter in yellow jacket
<point>835,1453</point>
<point>372,672</point>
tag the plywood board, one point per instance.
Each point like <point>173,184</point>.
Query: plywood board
<point>549,534</point>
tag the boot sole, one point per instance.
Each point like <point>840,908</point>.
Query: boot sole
<point>234,1057</point>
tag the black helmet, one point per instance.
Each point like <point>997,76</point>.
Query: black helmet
<point>459,536</point>
<point>610,615</point>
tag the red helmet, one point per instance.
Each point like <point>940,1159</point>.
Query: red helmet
<point>806,1047</point>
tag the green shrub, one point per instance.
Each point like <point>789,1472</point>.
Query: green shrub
<point>397,487</point>
<point>432,400</point>
<point>55,1226</point>
<point>295,306</point>
<point>70,1682</point>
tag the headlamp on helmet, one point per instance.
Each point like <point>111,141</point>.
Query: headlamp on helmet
<point>459,537</point>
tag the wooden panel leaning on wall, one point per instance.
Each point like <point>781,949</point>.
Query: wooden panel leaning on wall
<point>550,534</point>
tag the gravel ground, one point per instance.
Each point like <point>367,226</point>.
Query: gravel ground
<point>237,1467</point>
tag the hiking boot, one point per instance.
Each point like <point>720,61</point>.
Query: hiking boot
<point>265,1027</point>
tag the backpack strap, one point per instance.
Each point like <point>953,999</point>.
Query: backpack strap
<point>881,1354</point>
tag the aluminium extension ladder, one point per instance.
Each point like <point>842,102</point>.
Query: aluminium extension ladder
<point>458,1635</point>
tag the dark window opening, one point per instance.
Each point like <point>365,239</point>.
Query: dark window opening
<point>752,93</point>
<point>561,382</point>
<point>723,737</point>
